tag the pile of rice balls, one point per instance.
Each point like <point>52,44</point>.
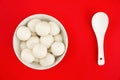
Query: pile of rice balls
<point>41,42</point>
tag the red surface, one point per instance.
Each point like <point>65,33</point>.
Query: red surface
<point>80,62</point>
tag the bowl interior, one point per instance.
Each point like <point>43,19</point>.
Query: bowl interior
<point>43,17</point>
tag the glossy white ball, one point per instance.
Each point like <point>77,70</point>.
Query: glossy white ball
<point>42,28</point>
<point>32,23</point>
<point>54,28</point>
<point>32,42</point>
<point>48,60</point>
<point>57,48</point>
<point>23,33</point>
<point>47,40</point>
<point>26,55</point>
<point>39,51</point>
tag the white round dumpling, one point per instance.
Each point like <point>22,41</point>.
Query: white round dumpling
<point>48,60</point>
<point>54,28</point>
<point>32,42</point>
<point>39,51</point>
<point>42,28</point>
<point>23,33</point>
<point>23,45</point>
<point>32,23</point>
<point>57,48</point>
<point>58,37</point>
<point>26,55</point>
<point>47,40</point>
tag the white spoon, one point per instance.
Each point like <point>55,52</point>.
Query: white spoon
<point>100,24</point>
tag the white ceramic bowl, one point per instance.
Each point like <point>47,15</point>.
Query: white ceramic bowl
<point>45,18</point>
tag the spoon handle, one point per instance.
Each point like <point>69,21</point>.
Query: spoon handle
<point>101,59</point>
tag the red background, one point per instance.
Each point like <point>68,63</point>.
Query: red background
<point>80,62</point>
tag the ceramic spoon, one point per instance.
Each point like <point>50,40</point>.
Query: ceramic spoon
<point>100,24</point>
